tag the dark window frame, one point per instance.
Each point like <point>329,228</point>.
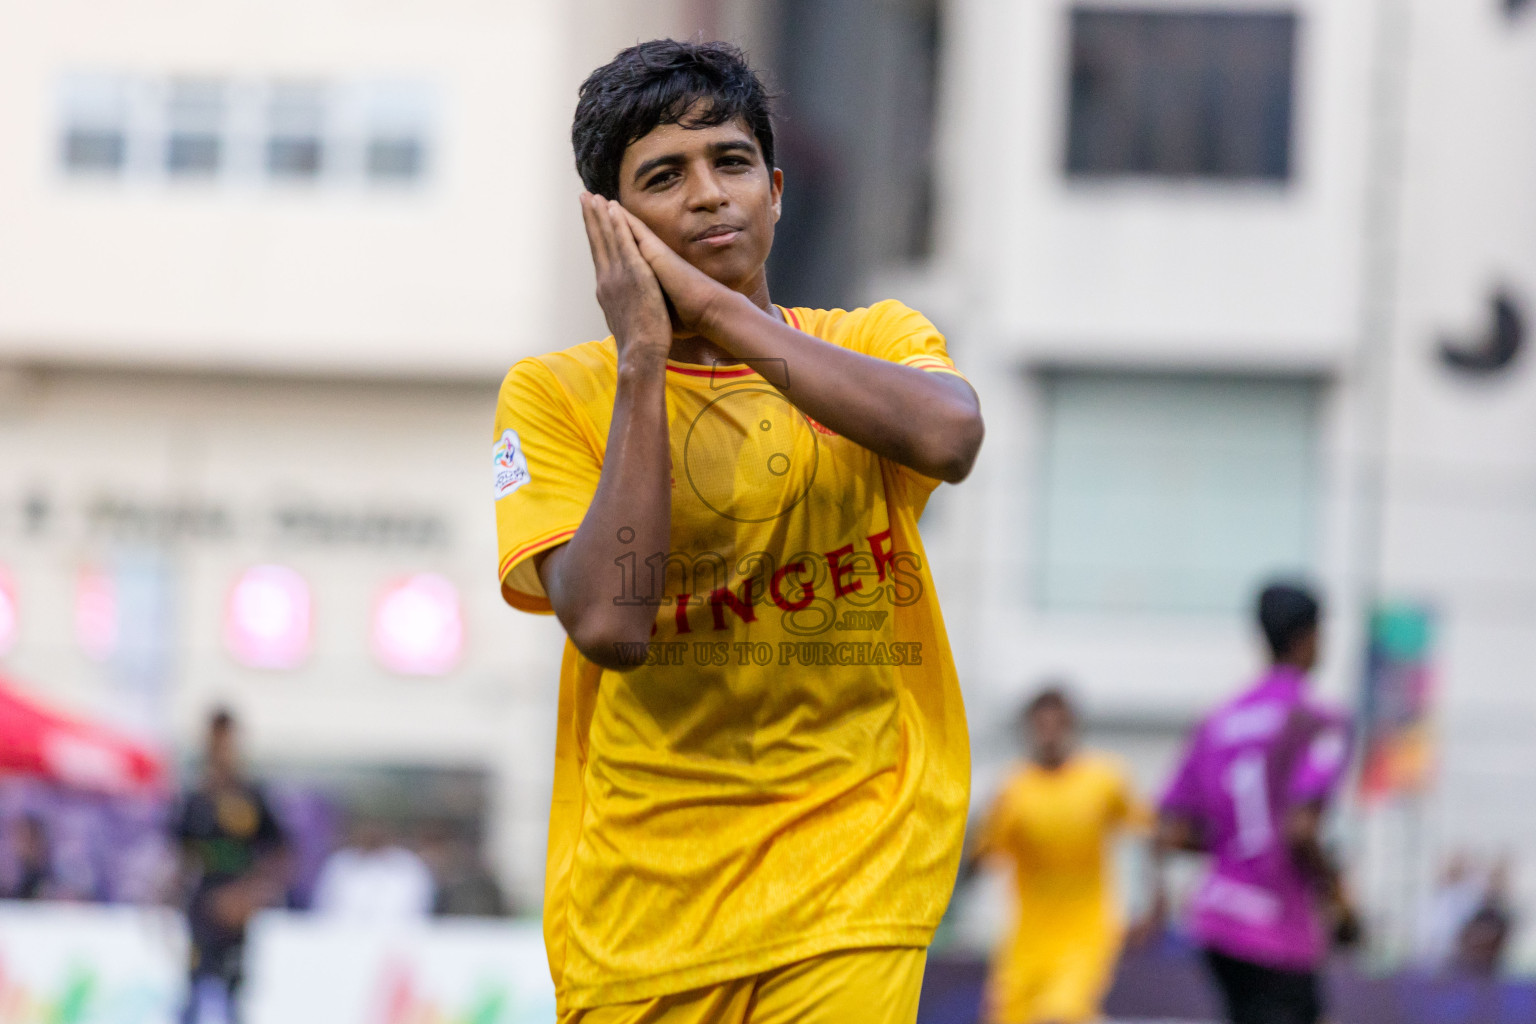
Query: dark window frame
<point>1222,107</point>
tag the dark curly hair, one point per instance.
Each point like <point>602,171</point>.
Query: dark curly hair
<point>658,83</point>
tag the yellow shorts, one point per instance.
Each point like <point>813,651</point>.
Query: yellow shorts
<point>1065,986</point>
<point>870,986</point>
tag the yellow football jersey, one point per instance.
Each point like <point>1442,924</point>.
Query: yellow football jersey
<point>1056,828</point>
<point>788,772</point>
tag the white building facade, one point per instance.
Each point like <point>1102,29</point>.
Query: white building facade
<point>1202,262</point>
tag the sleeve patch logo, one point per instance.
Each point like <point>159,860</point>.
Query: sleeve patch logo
<point>510,464</point>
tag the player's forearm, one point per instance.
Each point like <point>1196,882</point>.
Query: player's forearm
<point>599,582</point>
<point>928,422</point>
<point>1303,837</point>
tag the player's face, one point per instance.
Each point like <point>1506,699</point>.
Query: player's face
<point>707,193</point>
<point>1050,735</point>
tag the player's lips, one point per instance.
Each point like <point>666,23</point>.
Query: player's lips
<point>718,235</point>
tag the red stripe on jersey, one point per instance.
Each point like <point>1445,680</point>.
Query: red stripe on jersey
<point>520,553</point>
<point>744,371</point>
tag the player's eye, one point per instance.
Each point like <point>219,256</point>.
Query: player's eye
<point>664,178</point>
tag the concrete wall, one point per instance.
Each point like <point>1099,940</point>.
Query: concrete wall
<point>1460,509</point>
<point>1408,206</point>
<point>456,276</point>
<point>1039,271</point>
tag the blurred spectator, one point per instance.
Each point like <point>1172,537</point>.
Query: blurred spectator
<point>34,861</point>
<point>1482,939</point>
<point>374,879</point>
<point>465,886</point>
<point>60,843</point>
<point>1456,897</point>
<point>233,865</point>
<point>1466,923</point>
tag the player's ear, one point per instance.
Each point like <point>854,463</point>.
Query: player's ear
<point>778,194</point>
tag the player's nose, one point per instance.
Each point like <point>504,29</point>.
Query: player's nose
<point>707,193</point>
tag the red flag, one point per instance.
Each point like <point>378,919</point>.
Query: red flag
<point>38,741</point>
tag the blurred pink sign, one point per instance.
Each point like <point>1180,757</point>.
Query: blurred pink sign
<point>269,623</point>
<point>418,626</point>
<point>8,615</point>
<point>96,626</point>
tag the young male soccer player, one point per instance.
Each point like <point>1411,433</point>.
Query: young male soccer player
<point>1054,821</point>
<point>762,767</point>
<point>1251,792</point>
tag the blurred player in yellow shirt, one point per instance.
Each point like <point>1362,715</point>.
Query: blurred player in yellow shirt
<point>1054,822</point>
<point>761,763</point>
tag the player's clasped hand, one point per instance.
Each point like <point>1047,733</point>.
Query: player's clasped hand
<point>627,288</point>
<point>693,293</point>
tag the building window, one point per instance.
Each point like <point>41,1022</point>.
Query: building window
<point>246,132</point>
<point>95,124</point>
<point>194,141</point>
<point>1173,493</point>
<point>399,117</point>
<point>1181,94</point>
<point>101,151</point>
<point>394,159</point>
<point>296,131</point>
<point>860,89</point>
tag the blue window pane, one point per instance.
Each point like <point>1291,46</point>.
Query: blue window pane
<point>195,112</point>
<point>1174,493</point>
<point>296,114</point>
<point>93,115</point>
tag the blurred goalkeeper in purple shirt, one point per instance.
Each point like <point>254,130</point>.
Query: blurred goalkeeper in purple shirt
<point>1251,792</point>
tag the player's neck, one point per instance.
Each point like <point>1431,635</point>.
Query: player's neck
<point>697,349</point>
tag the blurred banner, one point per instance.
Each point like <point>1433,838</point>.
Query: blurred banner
<point>306,970</point>
<point>1397,743</point>
<point>39,741</point>
<point>67,964</point>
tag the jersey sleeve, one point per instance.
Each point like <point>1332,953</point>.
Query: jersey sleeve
<point>545,474</point>
<point>1321,767</point>
<point>1182,798</point>
<point>895,332</point>
<point>1127,808</point>
<point>991,838</point>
